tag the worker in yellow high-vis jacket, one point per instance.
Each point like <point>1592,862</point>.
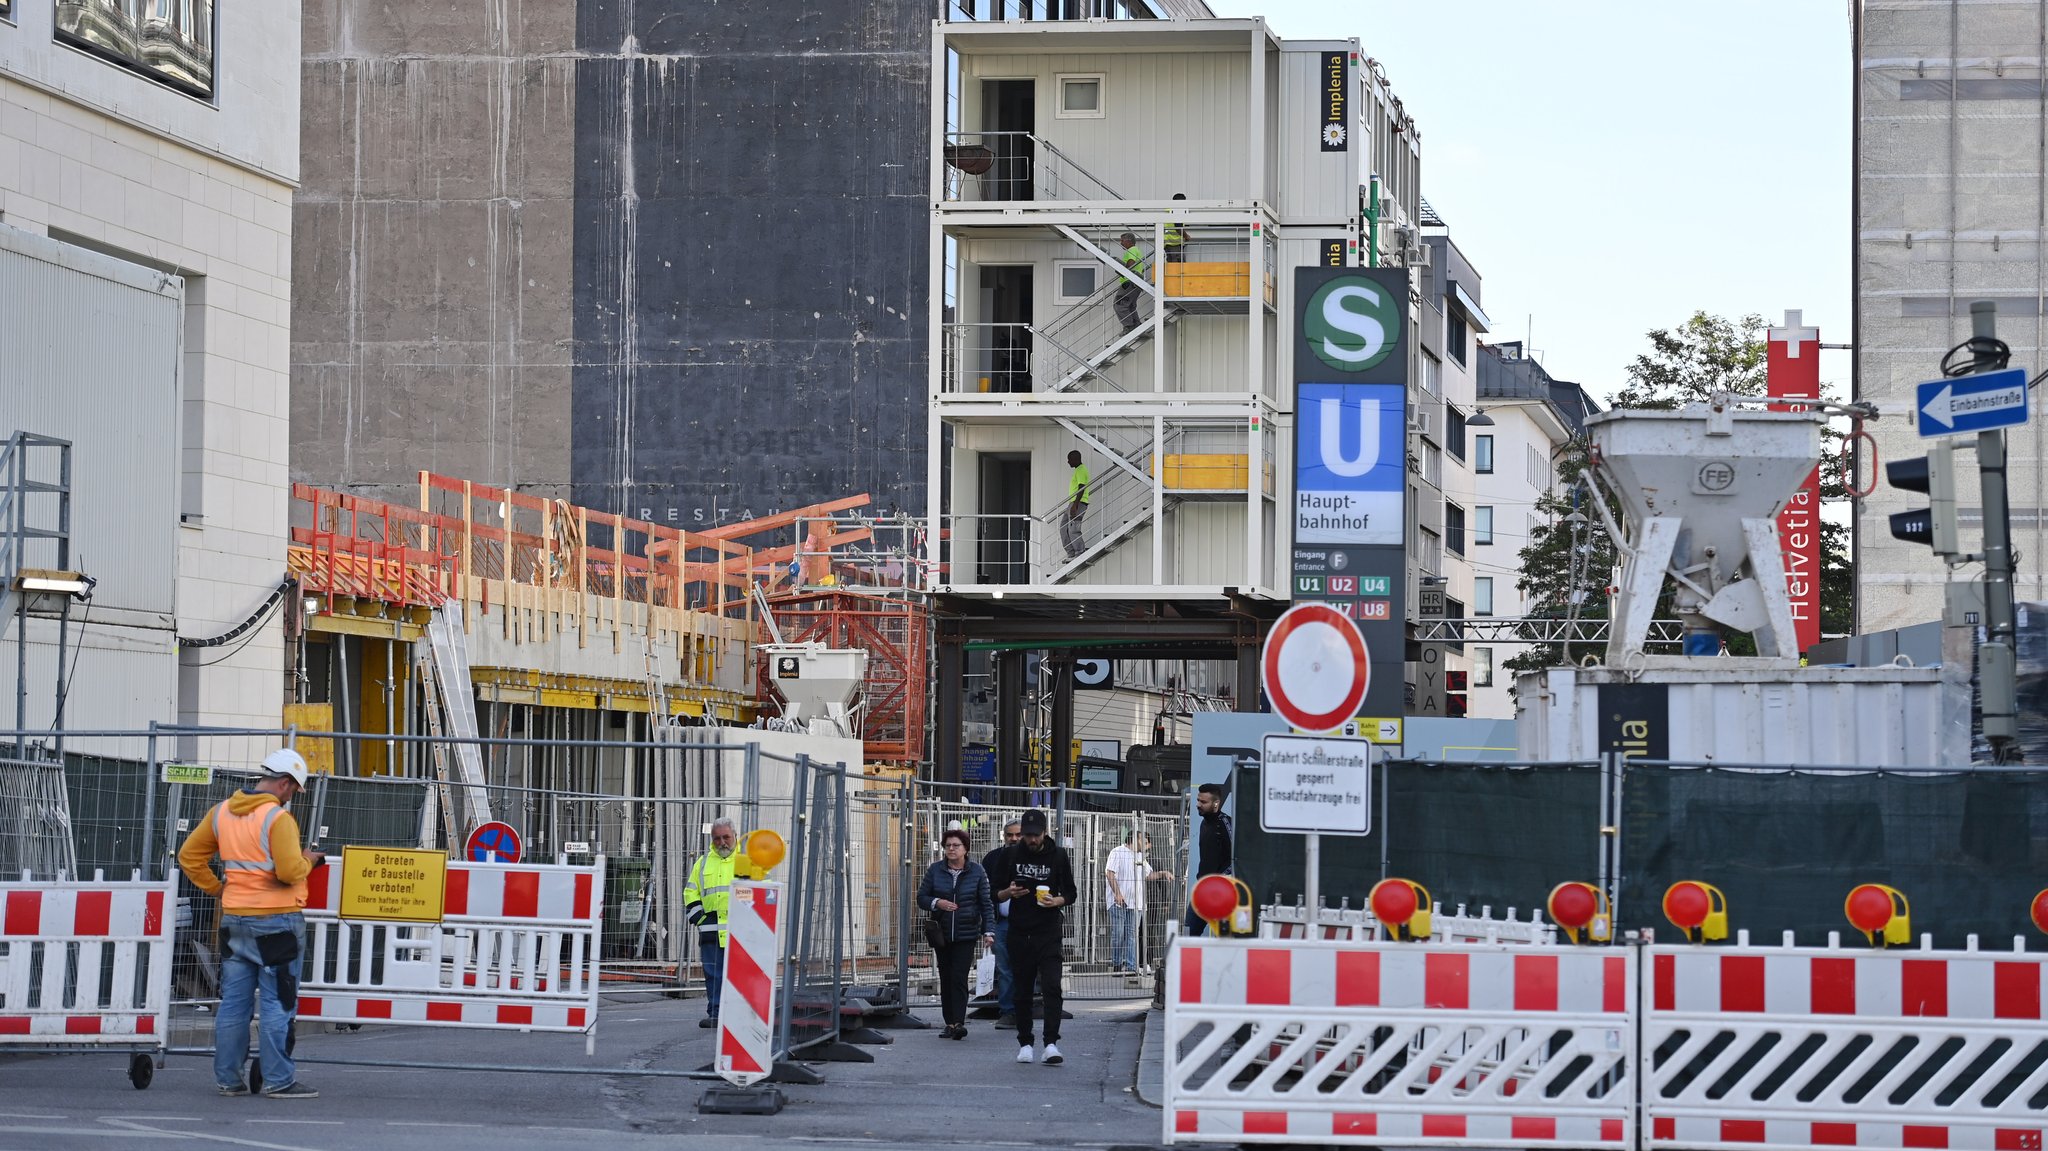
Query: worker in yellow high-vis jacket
<point>707,900</point>
<point>262,892</point>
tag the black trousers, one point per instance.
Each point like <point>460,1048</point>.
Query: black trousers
<point>1035,955</point>
<point>955,961</point>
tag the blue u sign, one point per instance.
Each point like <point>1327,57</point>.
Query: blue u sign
<point>1350,464</point>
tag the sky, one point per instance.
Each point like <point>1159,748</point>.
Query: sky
<point>1611,168</point>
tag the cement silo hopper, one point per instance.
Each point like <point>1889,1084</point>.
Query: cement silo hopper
<point>819,685</point>
<point>1700,489</point>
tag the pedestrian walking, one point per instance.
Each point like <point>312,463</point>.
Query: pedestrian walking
<point>1038,879</point>
<point>1126,873</point>
<point>956,894</point>
<point>707,900</point>
<point>262,889</point>
<point>1212,844</point>
<point>1006,995</point>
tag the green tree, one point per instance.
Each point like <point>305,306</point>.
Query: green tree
<point>1569,559</point>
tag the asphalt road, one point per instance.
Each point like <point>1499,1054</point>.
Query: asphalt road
<point>921,1091</point>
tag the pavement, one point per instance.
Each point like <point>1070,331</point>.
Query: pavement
<point>920,1091</point>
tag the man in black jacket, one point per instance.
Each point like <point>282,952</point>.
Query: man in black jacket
<point>1212,845</point>
<point>1037,878</point>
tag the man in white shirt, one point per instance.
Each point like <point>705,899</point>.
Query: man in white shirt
<point>1127,872</point>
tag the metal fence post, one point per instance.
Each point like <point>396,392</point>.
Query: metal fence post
<point>792,950</point>
<point>905,829</point>
<point>841,894</point>
<point>149,809</point>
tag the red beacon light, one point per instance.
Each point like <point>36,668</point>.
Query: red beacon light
<point>2038,910</point>
<point>1581,907</point>
<point>1697,909</point>
<point>1882,914</point>
<point>1402,907</point>
<point>1221,899</point>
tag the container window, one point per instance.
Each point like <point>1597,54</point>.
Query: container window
<point>170,41</point>
<point>1076,280</point>
<point>1081,96</point>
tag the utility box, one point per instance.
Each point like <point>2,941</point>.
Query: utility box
<point>1738,711</point>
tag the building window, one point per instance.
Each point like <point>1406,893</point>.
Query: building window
<point>1432,381</point>
<point>1429,553</point>
<point>166,40</point>
<point>1482,667</point>
<point>1454,431</point>
<point>1454,336</point>
<point>1454,528</point>
<point>1482,595</point>
<point>1482,455</point>
<point>1482,525</point>
<point>1075,280</point>
<point>1081,96</point>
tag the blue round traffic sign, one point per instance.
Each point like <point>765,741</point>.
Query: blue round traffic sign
<point>492,842</point>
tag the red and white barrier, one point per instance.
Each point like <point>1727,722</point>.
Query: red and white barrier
<point>517,949</point>
<point>86,965</point>
<point>1469,1045</point>
<point>746,1008</point>
<point>1823,1047</point>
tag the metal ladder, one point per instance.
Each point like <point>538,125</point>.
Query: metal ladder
<point>451,712</point>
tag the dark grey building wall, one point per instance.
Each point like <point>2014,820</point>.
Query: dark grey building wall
<point>660,256</point>
<point>751,223</point>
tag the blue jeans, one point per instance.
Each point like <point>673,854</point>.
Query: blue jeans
<point>1006,996</point>
<point>244,979</point>
<point>1123,937</point>
<point>713,958</point>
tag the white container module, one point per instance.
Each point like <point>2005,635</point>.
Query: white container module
<point>1744,711</point>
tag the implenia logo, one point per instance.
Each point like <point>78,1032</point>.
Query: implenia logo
<point>1351,323</point>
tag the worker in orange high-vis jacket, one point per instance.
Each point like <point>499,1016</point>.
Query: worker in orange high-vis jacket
<point>262,892</point>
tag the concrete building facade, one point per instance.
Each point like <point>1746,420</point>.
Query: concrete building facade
<point>148,155</point>
<point>1951,207</point>
<point>664,258</point>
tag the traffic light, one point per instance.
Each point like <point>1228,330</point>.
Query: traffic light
<point>1933,474</point>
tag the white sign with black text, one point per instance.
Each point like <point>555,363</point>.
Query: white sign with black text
<point>1316,784</point>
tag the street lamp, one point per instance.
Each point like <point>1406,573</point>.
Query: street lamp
<point>1479,419</point>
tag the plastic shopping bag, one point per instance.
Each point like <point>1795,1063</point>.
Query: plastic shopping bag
<point>985,973</point>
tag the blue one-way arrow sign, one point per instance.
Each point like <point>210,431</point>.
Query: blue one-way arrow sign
<point>1970,404</point>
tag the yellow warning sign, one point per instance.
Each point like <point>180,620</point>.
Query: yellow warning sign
<point>404,885</point>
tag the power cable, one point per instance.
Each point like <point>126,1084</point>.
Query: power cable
<point>255,618</point>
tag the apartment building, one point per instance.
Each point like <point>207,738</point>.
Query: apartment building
<point>1524,421</point>
<point>1120,210</point>
<point>1452,532</point>
<point>148,154</point>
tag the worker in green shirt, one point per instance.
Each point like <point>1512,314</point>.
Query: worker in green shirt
<point>1077,505</point>
<point>1176,237</point>
<point>1128,291</point>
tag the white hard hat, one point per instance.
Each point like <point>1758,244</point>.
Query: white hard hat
<point>285,761</point>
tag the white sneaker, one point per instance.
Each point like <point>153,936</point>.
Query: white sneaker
<point>1053,1058</point>
<point>1024,1054</point>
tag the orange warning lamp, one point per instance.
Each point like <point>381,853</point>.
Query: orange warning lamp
<point>1221,899</point>
<point>2039,910</point>
<point>1402,907</point>
<point>1698,910</point>
<point>1875,909</point>
<point>1578,907</point>
<point>765,849</point>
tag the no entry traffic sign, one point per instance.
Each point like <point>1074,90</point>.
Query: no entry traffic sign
<point>1314,668</point>
<point>492,842</point>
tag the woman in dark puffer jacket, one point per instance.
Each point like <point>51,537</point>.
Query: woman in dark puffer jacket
<point>955,892</point>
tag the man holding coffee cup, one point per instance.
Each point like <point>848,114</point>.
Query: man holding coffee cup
<point>1038,877</point>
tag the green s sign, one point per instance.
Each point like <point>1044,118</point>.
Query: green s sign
<point>1352,323</point>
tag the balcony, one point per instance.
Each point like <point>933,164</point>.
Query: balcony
<point>1013,169</point>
